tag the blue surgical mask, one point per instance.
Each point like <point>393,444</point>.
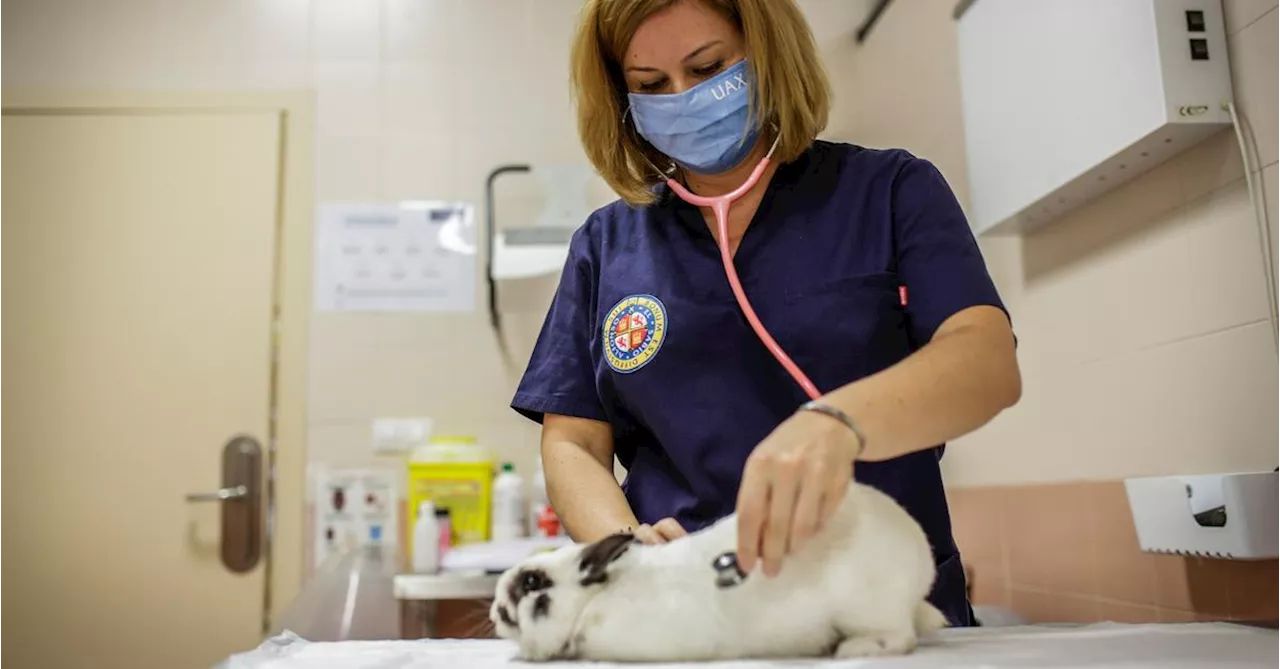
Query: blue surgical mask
<point>706,129</point>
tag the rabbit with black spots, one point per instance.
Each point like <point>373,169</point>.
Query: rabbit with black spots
<point>856,589</point>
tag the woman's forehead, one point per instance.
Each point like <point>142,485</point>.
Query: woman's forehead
<point>664,39</point>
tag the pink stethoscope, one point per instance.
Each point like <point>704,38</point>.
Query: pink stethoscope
<point>720,207</point>
<point>728,574</point>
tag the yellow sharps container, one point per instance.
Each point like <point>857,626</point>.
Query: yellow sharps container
<point>455,473</point>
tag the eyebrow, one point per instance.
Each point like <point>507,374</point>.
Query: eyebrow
<point>692,54</point>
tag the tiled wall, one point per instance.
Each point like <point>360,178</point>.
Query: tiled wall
<point>1142,318</point>
<point>1069,553</point>
<point>1143,344</point>
<point>1146,305</point>
<point>416,99</point>
<point>421,99</point>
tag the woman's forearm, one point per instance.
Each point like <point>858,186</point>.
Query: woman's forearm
<point>584,492</point>
<point>958,382</point>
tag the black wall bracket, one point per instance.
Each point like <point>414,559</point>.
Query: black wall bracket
<point>868,23</point>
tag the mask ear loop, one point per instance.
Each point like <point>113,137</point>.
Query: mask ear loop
<point>777,136</point>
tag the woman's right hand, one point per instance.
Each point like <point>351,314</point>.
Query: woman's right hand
<point>661,532</point>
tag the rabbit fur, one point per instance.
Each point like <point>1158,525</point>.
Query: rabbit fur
<point>856,589</point>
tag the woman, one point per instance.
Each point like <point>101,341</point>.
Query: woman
<point>859,262</point>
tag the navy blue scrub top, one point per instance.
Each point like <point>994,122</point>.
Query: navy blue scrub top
<point>644,332</point>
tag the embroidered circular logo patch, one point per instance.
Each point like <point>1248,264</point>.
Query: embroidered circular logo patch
<point>633,332</point>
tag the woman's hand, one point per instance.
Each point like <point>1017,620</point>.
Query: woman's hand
<point>660,532</point>
<point>793,482</point>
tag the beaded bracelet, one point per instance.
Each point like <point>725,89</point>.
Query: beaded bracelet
<point>828,410</point>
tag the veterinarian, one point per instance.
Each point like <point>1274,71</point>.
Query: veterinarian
<point>858,261</point>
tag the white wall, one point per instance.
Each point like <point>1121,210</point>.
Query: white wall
<point>1142,323</point>
<point>1141,318</point>
<point>416,99</point>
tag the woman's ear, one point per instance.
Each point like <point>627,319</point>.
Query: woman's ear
<point>595,559</point>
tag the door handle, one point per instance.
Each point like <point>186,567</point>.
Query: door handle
<point>220,495</point>
<point>240,505</point>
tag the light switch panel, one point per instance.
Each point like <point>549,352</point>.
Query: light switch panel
<point>398,435</point>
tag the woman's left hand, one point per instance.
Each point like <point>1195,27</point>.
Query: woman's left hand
<point>793,482</point>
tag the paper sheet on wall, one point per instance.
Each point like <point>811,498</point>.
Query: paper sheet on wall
<point>406,256</point>
<point>354,507</point>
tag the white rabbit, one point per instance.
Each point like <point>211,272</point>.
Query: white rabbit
<point>857,589</point>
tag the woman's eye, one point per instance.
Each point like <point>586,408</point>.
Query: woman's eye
<point>651,86</point>
<point>708,70</point>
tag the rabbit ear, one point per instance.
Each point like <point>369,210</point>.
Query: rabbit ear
<point>596,558</point>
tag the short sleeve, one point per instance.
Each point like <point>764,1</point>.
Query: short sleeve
<point>560,377</point>
<point>938,258</point>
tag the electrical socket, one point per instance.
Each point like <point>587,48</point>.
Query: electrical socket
<point>398,435</point>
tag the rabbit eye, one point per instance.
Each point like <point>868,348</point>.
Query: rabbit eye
<point>534,581</point>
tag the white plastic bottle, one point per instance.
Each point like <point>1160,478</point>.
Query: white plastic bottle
<point>508,504</point>
<point>543,521</point>
<point>426,540</point>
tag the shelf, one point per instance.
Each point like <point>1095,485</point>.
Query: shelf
<point>522,253</point>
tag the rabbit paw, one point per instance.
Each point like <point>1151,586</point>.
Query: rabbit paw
<point>874,644</point>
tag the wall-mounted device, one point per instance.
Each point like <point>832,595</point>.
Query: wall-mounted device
<point>1226,516</point>
<point>1064,100</point>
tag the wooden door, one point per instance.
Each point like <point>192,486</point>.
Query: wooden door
<point>139,283</point>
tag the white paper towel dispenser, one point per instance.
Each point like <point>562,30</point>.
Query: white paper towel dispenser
<point>1230,516</point>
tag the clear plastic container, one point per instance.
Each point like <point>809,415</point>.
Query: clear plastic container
<point>350,597</point>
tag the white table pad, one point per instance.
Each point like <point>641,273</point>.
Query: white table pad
<point>1110,645</point>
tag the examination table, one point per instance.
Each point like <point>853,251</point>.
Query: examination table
<point>1112,645</point>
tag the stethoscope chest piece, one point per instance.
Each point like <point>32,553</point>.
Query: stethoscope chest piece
<point>728,573</point>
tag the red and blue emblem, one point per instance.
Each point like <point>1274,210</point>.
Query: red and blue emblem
<point>633,332</point>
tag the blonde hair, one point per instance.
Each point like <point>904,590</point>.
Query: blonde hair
<point>791,89</point>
